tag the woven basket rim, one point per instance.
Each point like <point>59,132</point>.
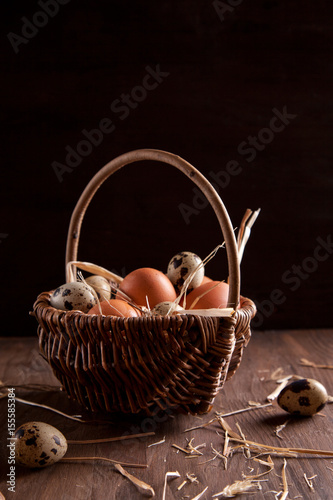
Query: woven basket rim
<point>245,304</point>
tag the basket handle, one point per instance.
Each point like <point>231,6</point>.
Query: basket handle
<point>215,201</point>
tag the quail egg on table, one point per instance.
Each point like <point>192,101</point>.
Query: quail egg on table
<point>74,295</point>
<point>38,444</point>
<point>303,397</point>
<point>181,266</point>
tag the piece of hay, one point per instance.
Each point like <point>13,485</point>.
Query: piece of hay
<point>246,450</point>
<point>273,395</point>
<point>181,485</point>
<point>242,410</point>
<point>229,414</point>
<point>279,428</point>
<point>110,460</point>
<point>195,449</point>
<point>282,384</point>
<point>269,464</point>
<point>277,373</point>
<point>157,443</point>
<point>221,455</point>
<point>244,232</point>
<point>306,362</point>
<point>71,417</point>
<point>277,449</point>
<point>192,478</point>
<point>201,426</point>
<point>200,494</point>
<point>227,450</point>
<point>168,475</point>
<point>238,488</point>
<point>143,487</point>
<point>284,481</point>
<point>191,450</point>
<point>110,440</point>
<point>309,482</point>
<point>226,427</point>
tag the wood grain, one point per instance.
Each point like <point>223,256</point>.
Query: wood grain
<point>266,352</point>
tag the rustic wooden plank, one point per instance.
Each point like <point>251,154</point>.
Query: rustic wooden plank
<point>267,352</point>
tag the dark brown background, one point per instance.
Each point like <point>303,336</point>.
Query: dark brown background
<point>225,78</point>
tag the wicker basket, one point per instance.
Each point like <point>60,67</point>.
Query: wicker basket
<point>141,364</point>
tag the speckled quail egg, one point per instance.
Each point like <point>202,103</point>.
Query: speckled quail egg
<point>303,397</point>
<point>101,286</point>
<point>38,444</point>
<point>163,308</point>
<point>181,266</point>
<point>74,295</point>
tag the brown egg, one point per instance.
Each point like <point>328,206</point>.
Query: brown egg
<point>148,284</point>
<point>115,307</point>
<point>212,294</point>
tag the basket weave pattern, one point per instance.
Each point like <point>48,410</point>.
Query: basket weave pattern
<point>139,364</point>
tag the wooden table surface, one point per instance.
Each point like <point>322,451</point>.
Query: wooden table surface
<point>266,353</point>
